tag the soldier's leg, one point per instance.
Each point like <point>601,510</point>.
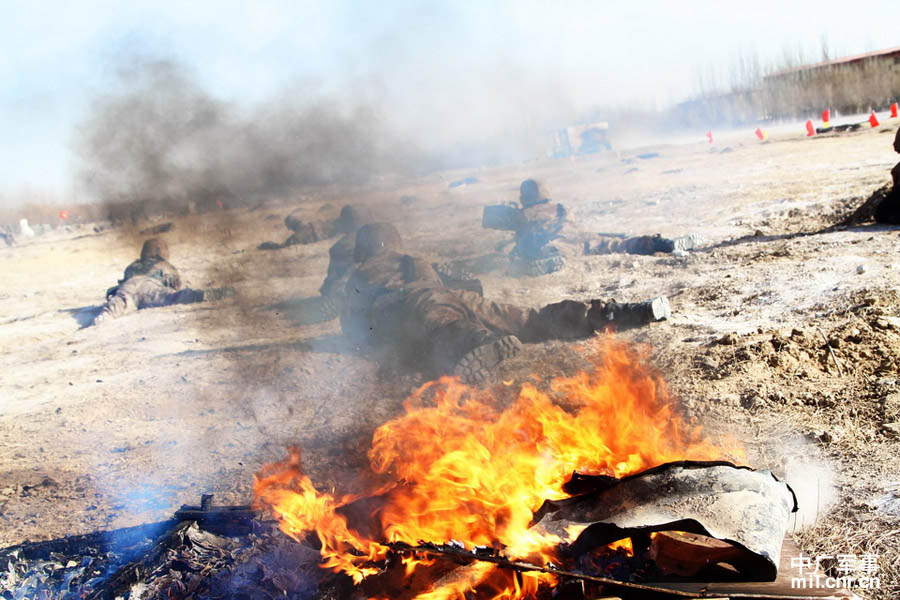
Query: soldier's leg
<point>572,319</point>
<point>604,245</point>
<point>499,317</point>
<point>561,320</point>
<point>150,292</point>
<point>442,327</point>
<point>888,210</point>
<point>647,245</point>
<point>120,303</point>
<point>185,296</point>
<point>189,296</point>
<point>477,365</point>
<point>644,244</point>
<point>615,316</point>
<point>474,334</point>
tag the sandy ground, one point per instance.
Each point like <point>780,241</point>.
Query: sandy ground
<point>116,425</point>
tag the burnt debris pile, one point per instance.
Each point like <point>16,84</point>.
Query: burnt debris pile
<point>683,529</point>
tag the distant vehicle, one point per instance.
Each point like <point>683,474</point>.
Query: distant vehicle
<point>576,140</point>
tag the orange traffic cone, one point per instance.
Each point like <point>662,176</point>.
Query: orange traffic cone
<point>894,110</point>
<point>873,120</point>
<point>709,135</point>
<point>810,130</point>
<point>825,114</point>
<point>760,134</point>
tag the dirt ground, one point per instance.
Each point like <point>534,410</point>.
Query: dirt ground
<point>116,425</point>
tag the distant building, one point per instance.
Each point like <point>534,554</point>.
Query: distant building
<point>731,108</point>
<point>888,59</point>
<point>851,84</point>
<point>847,85</point>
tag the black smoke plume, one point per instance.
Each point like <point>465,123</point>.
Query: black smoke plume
<point>159,142</point>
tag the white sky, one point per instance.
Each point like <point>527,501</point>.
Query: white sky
<point>461,64</point>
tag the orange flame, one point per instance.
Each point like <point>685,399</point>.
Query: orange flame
<point>463,469</point>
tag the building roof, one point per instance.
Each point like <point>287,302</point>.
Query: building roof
<point>839,61</point>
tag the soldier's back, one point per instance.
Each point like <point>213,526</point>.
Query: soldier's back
<point>380,282</point>
<point>158,269</point>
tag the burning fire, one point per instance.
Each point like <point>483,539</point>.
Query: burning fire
<point>460,468</point>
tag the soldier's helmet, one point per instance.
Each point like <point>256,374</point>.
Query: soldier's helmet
<point>155,249</point>
<point>530,193</point>
<point>375,239</point>
<point>352,218</point>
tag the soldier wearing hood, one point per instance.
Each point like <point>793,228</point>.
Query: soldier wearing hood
<point>350,219</point>
<point>398,300</point>
<point>154,262</point>
<point>152,281</point>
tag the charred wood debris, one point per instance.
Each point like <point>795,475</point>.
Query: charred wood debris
<point>214,552</point>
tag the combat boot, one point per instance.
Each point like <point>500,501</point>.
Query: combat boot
<point>477,366</point>
<point>688,242</point>
<point>519,267</point>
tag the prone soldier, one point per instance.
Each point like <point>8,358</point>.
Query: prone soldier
<point>536,222</point>
<point>152,281</point>
<point>398,301</point>
<point>349,221</point>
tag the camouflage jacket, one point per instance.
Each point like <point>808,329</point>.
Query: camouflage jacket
<point>310,233</point>
<point>340,265</point>
<point>379,282</point>
<point>546,218</point>
<point>158,269</point>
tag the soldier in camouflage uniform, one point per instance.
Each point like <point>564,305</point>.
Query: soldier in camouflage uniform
<point>538,221</point>
<point>349,221</point>
<point>541,222</point>
<point>398,301</point>
<point>153,263</point>
<point>327,305</point>
<point>888,211</point>
<point>152,281</point>
<point>341,262</point>
<point>340,255</point>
